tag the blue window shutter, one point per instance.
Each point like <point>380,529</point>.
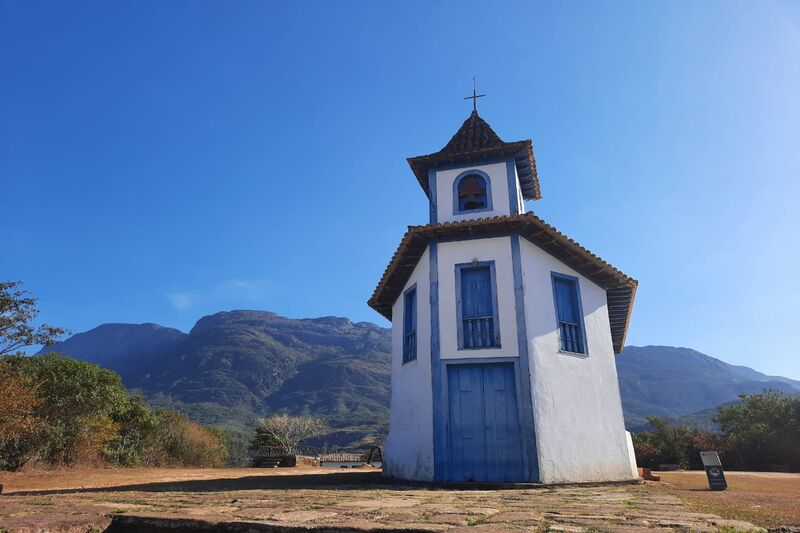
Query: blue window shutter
<point>483,292</point>
<point>568,313</point>
<point>565,301</point>
<point>410,313</point>
<point>477,308</point>
<point>476,292</point>
<point>410,325</point>
<point>469,306</point>
<point>413,305</point>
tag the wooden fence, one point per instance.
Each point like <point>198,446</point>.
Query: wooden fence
<point>373,454</point>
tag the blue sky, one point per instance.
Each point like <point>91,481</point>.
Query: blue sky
<point>161,161</point>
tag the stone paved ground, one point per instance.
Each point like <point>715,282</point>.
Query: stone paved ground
<point>355,500</point>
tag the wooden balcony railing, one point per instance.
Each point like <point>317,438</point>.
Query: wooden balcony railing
<point>410,346</point>
<point>571,337</point>
<point>479,333</point>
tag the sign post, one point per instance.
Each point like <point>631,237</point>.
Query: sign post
<point>714,473</point>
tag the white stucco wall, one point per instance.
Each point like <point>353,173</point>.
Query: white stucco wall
<point>580,431</point>
<point>444,192</point>
<point>497,249</point>
<point>520,198</point>
<point>409,445</point>
<point>632,455</point>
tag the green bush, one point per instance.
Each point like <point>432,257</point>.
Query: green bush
<point>80,401</point>
<point>81,413</point>
<point>134,443</point>
<point>761,431</point>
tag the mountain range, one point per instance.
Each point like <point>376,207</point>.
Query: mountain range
<point>684,384</point>
<point>233,366</point>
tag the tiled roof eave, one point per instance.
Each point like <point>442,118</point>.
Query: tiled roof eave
<point>522,151</point>
<point>620,288</point>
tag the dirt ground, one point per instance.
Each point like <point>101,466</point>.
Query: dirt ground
<point>767,499</point>
<point>85,500</point>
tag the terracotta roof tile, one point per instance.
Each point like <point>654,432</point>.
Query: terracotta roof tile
<point>476,142</point>
<point>474,134</point>
<point>620,288</point>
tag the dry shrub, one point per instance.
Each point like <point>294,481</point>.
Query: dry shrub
<point>18,404</point>
<point>202,447</point>
<point>88,445</point>
<point>647,455</point>
<point>79,413</point>
<point>180,442</point>
<point>19,425</point>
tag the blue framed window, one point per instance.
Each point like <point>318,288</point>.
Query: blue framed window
<point>476,306</point>
<point>472,192</point>
<point>569,313</point>
<point>410,325</point>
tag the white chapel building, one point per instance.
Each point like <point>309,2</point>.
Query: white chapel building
<point>504,331</point>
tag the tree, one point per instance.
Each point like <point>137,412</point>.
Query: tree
<point>708,441</point>
<point>17,311</point>
<point>647,455</point>
<point>64,411</point>
<point>17,405</point>
<point>674,442</point>
<point>19,424</point>
<point>287,432</point>
<point>80,402</point>
<point>764,429</point>
<point>135,444</point>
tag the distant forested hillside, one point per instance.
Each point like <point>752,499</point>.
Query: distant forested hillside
<point>684,384</point>
<point>233,366</point>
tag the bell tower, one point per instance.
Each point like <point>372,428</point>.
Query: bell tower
<point>504,330</point>
<point>477,174</point>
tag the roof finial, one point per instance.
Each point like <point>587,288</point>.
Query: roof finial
<point>474,96</point>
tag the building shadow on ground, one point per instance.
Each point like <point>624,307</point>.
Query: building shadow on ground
<point>333,481</point>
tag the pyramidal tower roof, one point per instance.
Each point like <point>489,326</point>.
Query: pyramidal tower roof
<point>476,142</point>
<point>474,134</point>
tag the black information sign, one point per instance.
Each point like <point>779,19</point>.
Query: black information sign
<point>714,473</point>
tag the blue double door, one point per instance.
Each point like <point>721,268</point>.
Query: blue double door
<point>484,430</point>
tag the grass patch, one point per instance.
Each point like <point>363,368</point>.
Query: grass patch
<point>43,502</point>
<point>426,501</point>
<point>764,499</point>
<point>731,529</point>
<point>478,520</point>
<point>314,506</point>
<point>733,510</point>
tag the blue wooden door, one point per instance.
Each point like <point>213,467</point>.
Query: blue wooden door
<point>484,431</point>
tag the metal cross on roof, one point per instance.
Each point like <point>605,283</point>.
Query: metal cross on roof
<point>474,96</point>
